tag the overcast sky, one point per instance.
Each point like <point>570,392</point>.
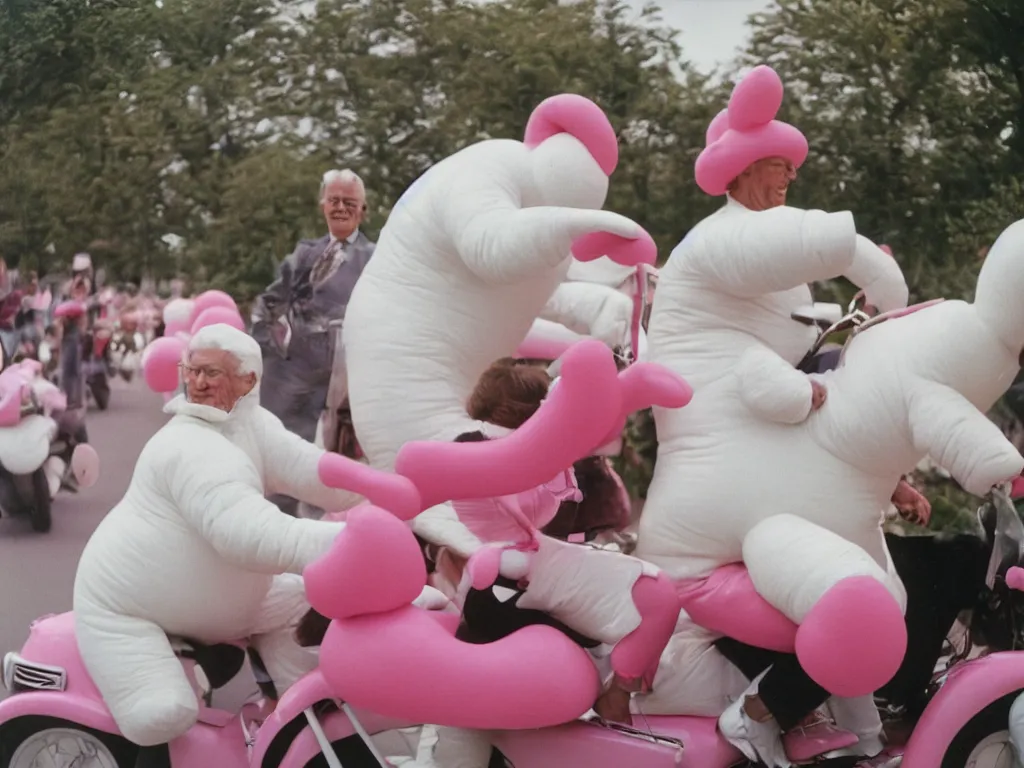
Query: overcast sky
<point>712,30</point>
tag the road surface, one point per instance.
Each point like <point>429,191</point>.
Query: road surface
<point>37,571</point>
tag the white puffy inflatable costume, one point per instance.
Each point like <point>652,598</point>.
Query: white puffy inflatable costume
<point>194,550</point>
<point>744,473</point>
<point>471,255</point>
<point>468,259</point>
<point>595,300</point>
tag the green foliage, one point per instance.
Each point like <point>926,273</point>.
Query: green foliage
<point>189,136</point>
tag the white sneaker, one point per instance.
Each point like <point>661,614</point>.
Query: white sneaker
<point>757,741</point>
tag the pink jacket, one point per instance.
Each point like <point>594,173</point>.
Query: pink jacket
<point>514,518</point>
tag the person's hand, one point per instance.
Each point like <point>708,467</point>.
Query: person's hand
<point>911,504</point>
<point>613,705</point>
<point>818,395</point>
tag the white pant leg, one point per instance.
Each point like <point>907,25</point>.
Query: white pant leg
<point>462,748</point>
<point>859,716</point>
<point>273,632</point>
<point>693,677</point>
<point>141,680</point>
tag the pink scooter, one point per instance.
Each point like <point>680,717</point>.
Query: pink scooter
<point>56,713</point>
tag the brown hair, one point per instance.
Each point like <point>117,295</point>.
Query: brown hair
<point>508,393</point>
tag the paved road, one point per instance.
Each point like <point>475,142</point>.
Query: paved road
<point>37,570</point>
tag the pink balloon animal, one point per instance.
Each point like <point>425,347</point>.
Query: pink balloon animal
<point>493,685</point>
<point>590,402</point>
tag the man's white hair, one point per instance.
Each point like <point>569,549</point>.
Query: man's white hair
<point>345,176</point>
<point>238,343</point>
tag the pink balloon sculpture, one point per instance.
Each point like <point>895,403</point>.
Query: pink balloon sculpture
<point>367,662</point>
<point>160,366</point>
<point>583,411</point>
<point>208,300</point>
<point>215,315</point>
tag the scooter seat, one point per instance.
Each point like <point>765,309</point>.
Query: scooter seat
<point>727,602</point>
<point>220,662</point>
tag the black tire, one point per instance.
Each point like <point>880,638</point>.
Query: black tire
<point>351,751</point>
<point>100,392</point>
<point>992,719</point>
<point>40,516</point>
<point>16,732</point>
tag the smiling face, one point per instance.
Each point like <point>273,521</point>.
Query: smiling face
<point>764,184</point>
<point>212,378</point>
<point>343,204</point>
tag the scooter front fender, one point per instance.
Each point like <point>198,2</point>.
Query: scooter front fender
<point>337,726</point>
<point>285,739</point>
<point>968,689</point>
<point>65,706</point>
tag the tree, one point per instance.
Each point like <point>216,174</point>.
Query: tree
<point>905,129</point>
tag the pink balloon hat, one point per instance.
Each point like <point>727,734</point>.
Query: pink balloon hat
<point>746,131</point>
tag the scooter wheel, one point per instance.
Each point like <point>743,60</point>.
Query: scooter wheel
<point>351,752</point>
<point>36,740</point>
<point>101,394</point>
<point>40,518</point>
<point>985,740</point>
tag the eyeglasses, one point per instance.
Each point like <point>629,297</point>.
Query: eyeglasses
<point>193,372</point>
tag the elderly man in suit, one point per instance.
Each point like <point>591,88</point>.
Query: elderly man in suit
<point>295,318</point>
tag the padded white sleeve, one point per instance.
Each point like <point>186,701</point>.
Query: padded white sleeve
<point>961,439</point>
<point>591,309</point>
<point>751,254</point>
<point>219,495</point>
<point>441,525</point>
<point>291,467</point>
<point>502,243</point>
<point>771,388</point>
<point>878,274</point>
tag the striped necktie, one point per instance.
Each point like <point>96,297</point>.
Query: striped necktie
<point>328,262</point>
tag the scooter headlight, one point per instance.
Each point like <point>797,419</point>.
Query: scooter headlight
<point>8,671</point>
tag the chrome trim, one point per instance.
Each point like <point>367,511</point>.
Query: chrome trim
<point>23,675</point>
<point>8,670</point>
<point>636,733</point>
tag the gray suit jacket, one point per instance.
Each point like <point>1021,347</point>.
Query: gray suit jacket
<point>295,388</point>
<point>307,306</point>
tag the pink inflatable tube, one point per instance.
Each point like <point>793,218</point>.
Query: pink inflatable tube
<point>853,640</point>
<point>576,417</point>
<point>369,663</point>
<point>394,493</point>
<point>644,385</point>
<point>727,602</point>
